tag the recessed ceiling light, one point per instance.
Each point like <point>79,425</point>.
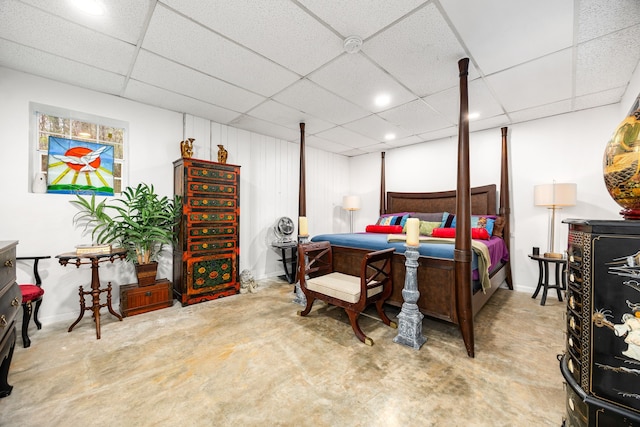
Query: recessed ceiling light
<point>473,116</point>
<point>382,100</point>
<point>390,136</point>
<point>92,7</point>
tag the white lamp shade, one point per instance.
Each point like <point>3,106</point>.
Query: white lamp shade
<point>555,194</point>
<point>351,203</point>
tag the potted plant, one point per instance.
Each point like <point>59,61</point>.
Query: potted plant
<point>140,221</point>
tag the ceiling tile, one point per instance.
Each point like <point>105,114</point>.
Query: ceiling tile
<point>417,117</point>
<point>606,97</point>
<point>375,127</point>
<point>595,59</point>
<point>32,27</point>
<point>360,17</point>
<point>311,98</point>
<point>599,17</point>
<point>481,101</point>
<point>546,110</point>
<point>188,43</point>
<point>440,133</point>
<point>357,79</point>
<point>157,71</point>
<point>129,25</point>
<point>545,80</point>
<point>265,128</point>
<point>323,144</point>
<point>346,137</point>
<point>421,51</point>
<point>488,123</point>
<point>298,34</point>
<point>283,115</point>
<point>153,95</point>
<point>501,34</point>
<point>404,141</point>
<point>63,70</point>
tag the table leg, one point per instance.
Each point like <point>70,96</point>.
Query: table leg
<point>83,307</point>
<point>559,283</point>
<point>545,284</point>
<point>540,273</point>
<point>111,310</point>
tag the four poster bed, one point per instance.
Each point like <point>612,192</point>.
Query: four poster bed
<point>449,287</point>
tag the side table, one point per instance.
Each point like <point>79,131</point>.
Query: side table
<point>289,251</point>
<point>543,276</point>
<point>94,260</point>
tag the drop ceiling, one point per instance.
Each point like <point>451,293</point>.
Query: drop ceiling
<point>267,65</point>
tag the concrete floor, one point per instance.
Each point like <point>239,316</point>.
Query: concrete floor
<point>249,360</point>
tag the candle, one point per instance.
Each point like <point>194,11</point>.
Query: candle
<point>413,231</point>
<point>303,229</point>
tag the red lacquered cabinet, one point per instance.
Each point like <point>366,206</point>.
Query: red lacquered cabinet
<point>205,260</point>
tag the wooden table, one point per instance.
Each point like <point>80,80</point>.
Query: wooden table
<point>543,276</point>
<point>94,260</point>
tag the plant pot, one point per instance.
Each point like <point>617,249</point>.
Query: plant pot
<point>147,273</point>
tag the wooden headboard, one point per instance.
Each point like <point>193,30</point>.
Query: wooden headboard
<point>483,201</point>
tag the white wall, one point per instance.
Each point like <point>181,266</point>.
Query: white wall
<point>567,148</point>
<point>42,223</point>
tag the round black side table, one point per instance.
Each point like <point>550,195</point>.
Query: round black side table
<point>543,276</point>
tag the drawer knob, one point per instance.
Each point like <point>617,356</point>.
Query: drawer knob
<point>8,263</point>
<point>572,277</point>
<point>3,321</point>
<point>147,294</point>
<point>570,366</point>
<point>572,302</point>
<point>15,302</point>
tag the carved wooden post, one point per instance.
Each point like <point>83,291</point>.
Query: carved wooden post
<point>300,298</point>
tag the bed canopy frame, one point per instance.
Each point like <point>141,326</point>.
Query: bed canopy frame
<point>462,304</point>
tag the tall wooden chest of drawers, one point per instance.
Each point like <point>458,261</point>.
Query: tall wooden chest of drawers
<point>10,301</point>
<point>602,362</point>
<point>205,263</point>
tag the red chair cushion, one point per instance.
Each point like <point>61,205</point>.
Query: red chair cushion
<point>30,292</point>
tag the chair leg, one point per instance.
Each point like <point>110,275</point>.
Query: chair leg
<point>35,314</point>
<point>307,309</point>
<point>383,315</point>
<point>26,318</point>
<point>353,319</point>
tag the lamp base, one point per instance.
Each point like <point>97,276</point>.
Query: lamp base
<point>553,255</point>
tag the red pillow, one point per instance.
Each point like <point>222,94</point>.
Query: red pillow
<point>476,233</point>
<point>388,229</point>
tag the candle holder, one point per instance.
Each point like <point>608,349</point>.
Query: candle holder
<point>410,318</point>
<point>300,297</point>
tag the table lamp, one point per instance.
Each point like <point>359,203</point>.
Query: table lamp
<point>351,203</point>
<point>554,196</point>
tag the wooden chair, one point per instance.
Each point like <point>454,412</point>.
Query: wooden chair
<point>31,293</point>
<point>318,280</point>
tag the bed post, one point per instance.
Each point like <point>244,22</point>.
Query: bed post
<point>505,210</point>
<point>302,196</point>
<point>383,190</point>
<point>462,252</point>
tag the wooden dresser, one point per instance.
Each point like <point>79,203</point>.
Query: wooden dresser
<point>205,260</point>
<point>601,365</point>
<point>10,301</point>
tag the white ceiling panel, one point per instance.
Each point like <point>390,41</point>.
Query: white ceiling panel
<point>312,99</point>
<point>375,127</point>
<point>267,65</point>
<point>347,137</point>
<point>274,112</point>
<point>301,43</point>
<point>35,28</point>
<point>544,81</point>
<point>61,69</point>
<point>419,51</point>
<point>361,18</point>
<point>123,19</point>
<point>356,78</point>
<point>594,59</point>
<point>172,101</point>
<point>157,71</point>
<point>266,128</point>
<point>600,17</point>
<point>502,34</point>
<point>183,41</point>
<point>417,117</point>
